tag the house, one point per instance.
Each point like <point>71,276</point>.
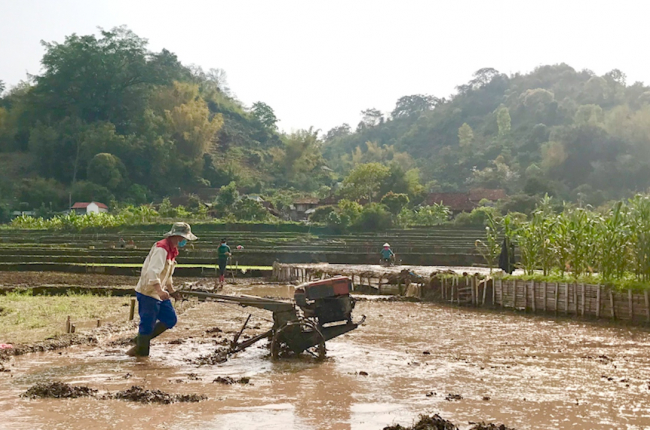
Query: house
<point>466,202</point>
<point>300,207</point>
<point>81,208</point>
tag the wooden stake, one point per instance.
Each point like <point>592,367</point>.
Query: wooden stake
<point>575,297</point>
<point>544,294</point>
<point>534,297</point>
<point>566,301</point>
<point>132,310</point>
<point>629,299</point>
<point>501,292</point>
<point>494,292</point>
<point>647,305</point>
<point>472,288</point>
<point>99,323</point>
<point>557,287</point>
<point>525,296</point>
<point>485,283</point>
<point>611,301</point>
<point>514,296</point>
<point>73,328</point>
<point>598,302</point>
<point>582,305</point>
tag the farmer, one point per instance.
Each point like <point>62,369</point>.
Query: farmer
<point>387,254</point>
<point>223,253</point>
<point>155,287</point>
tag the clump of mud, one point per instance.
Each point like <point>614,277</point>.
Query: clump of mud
<point>436,422</point>
<point>220,355</point>
<point>227,380</point>
<point>139,394</point>
<point>213,330</point>
<point>490,426</point>
<point>426,422</point>
<point>453,397</point>
<point>58,390</point>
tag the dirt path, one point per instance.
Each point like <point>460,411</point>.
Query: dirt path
<point>409,358</point>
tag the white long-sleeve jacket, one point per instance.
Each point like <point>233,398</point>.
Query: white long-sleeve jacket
<point>157,269</point>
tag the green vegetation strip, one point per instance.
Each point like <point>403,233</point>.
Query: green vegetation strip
<point>207,266</point>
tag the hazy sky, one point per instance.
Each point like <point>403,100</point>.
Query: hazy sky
<point>320,63</point>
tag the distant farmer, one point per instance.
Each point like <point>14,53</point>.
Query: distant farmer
<point>223,253</point>
<point>387,255</point>
<point>155,287</point>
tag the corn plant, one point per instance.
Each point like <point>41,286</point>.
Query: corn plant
<point>640,236</point>
<point>490,248</point>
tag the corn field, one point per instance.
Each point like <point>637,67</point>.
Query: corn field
<point>581,242</point>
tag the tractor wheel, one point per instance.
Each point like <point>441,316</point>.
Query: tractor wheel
<point>280,348</point>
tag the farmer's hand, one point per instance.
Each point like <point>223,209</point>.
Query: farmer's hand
<point>176,295</point>
<point>164,295</point>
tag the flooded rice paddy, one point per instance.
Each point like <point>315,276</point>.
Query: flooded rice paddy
<point>407,359</point>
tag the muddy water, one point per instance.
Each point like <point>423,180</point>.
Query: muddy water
<point>537,373</point>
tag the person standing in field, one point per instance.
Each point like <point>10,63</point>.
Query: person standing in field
<point>223,253</point>
<point>155,288</point>
<point>387,255</point>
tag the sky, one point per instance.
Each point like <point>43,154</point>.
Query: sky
<point>319,63</point>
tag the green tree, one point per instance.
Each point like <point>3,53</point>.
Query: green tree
<point>374,217</point>
<point>503,121</point>
<point>228,195</point>
<point>249,210</point>
<point>395,202</point>
<point>264,114</point>
<point>414,105</point>
<point>85,191</point>
<point>364,181</point>
<point>107,170</point>
<point>465,136</point>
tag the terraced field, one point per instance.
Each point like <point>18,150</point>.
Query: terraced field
<point>100,252</point>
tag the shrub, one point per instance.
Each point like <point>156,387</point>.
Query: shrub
<point>374,217</point>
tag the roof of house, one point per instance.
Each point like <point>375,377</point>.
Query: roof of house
<point>306,201</point>
<point>84,205</point>
<point>455,201</point>
<point>479,194</point>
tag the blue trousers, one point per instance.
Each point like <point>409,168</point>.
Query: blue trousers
<point>152,310</point>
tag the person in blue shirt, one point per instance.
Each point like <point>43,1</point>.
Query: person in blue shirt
<point>387,254</point>
<point>223,253</point>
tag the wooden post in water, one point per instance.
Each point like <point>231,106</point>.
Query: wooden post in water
<point>647,305</point>
<point>598,302</point>
<point>575,297</point>
<point>99,323</point>
<point>132,310</point>
<point>494,291</point>
<point>514,296</point>
<point>67,324</point>
<point>544,294</point>
<point>73,328</point>
<point>557,287</point>
<point>629,299</point>
<point>485,283</point>
<point>582,304</point>
<point>611,301</point>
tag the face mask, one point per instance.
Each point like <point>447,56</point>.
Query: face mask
<point>182,243</point>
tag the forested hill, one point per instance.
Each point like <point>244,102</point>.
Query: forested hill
<point>109,120</point>
<point>571,134</point>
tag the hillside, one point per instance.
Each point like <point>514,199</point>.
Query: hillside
<point>556,130</point>
<point>110,120</point>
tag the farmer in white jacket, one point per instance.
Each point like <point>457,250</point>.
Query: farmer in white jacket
<point>156,287</point>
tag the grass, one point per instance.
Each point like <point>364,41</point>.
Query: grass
<point>25,318</point>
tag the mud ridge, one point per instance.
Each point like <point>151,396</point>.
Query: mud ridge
<point>436,422</point>
<point>61,390</point>
<point>227,380</point>
<point>58,390</point>
<point>140,395</point>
